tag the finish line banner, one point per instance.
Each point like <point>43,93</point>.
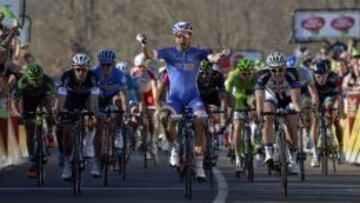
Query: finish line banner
<point>317,25</point>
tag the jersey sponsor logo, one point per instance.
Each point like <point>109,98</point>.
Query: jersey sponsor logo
<point>189,66</point>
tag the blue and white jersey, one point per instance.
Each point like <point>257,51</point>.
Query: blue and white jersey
<point>116,79</point>
<point>183,68</point>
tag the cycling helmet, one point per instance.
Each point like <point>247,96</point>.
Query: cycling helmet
<point>182,26</point>
<point>355,53</point>
<point>308,57</point>
<point>106,56</point>
<point>81,59</point>
<point>140,60</point>
<point>276,59</point>
<point>245,65</point>
<point>291,61</point>
<point>124,66</point>
<point>34,71</point>
<point>320,67</point>
<point>205,65</point>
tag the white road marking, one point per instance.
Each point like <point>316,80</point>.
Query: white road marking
<point>222,186</point>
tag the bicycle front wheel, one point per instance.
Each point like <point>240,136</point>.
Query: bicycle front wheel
<point>284,163</point>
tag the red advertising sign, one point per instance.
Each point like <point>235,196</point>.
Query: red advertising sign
<point>314,23</point>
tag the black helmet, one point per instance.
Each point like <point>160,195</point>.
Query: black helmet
<point>320,67</point>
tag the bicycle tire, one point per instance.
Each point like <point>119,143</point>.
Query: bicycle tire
<point>108,153</point>
<point>284,164</point>
<point>248,155</point>
<point>77,164</point>
<point>188,162</point>
<point>301,158</point>
<point>145,144</point>
<point>124,153</point>
<point>209,156</point>
<point>39,143</point>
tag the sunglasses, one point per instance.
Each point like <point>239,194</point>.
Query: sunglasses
<point>80,70</point>
<point>180,35</point>
<point>106,65</point>
<point>321,75</point>
<point>245,73</point>
<point>277,70</point>
<point>37,79</point>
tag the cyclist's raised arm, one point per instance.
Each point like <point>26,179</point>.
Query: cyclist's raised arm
<point>149,54</point>
<point>215,57</point>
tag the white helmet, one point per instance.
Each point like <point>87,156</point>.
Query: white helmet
<point>81,59</point>
<point>124,66</point>
<point>140,60</point>
<point>276,59</point>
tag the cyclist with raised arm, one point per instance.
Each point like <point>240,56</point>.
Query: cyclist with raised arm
<point>112,84</point>
<point>79,90</point>
<point>183,63</point>
<point>241,83</point>
<point>35,89</point>
<point>278,87</point>
<point>328,86</point>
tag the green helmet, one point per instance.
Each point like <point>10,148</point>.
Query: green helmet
<point>34,71</point>
<point>245,65</point>
<point>204,65</point>
<point>356,53</point>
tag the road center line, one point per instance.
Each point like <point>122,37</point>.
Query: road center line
<point>222,186</point>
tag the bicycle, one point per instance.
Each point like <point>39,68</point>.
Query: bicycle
<point>281,165</point>
<point>78,162</point>
<point>39,149</point>
<point>121,143</point>
<point>247,146</point>
<point>186,135</point>
<point>108,139</point>
<point>210,156</point>
<point>327,148</point>
<point>143,130</point>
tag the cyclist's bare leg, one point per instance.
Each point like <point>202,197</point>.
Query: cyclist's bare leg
<point>238,125</point>
<point>168,125</point>
<point>292,139</point>
<point>268,130</point>
<point>67,138</point>
<point>200,137</point>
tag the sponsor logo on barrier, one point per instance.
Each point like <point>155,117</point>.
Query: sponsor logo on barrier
<point>313,24</point>
<point>343,23</point>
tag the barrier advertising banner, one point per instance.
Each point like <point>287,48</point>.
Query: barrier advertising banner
<point>316,25</point>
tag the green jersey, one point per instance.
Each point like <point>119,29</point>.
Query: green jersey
<point>241,90</point>
<point>25,90</point>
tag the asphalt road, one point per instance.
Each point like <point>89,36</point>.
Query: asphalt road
<point>162,184</point>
